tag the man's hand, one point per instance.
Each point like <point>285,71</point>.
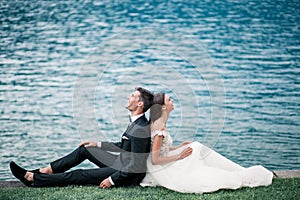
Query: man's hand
<point>88,144</point>
<point>105,184</point>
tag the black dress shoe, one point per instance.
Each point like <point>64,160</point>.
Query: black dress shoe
<point>19,173</point>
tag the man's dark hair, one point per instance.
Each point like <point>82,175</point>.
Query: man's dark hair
<point>145,96</point>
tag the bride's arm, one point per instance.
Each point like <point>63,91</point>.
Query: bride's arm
<point>157,159</point>
<point>177,147</point>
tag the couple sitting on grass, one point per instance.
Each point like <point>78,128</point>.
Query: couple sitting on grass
<point>190,167</point>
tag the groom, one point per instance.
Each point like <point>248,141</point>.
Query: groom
<point>126,169</point>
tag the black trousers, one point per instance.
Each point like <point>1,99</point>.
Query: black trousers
<point>60,177</point>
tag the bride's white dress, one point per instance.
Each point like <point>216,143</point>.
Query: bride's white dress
<point>203,171</point>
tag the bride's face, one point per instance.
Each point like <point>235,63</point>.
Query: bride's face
<point>169,103</point>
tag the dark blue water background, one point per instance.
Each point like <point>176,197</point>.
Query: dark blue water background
<point>254,46</point>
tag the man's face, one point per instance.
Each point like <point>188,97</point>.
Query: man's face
<point>133,101</point>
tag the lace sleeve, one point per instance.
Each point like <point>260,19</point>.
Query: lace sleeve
<point>166,143</point>
<point>159,133</point>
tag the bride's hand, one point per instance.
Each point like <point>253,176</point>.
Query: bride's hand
<point>185,143</point>
<point>88,144</point>
<point>181,145</point>
<point>185,153</point>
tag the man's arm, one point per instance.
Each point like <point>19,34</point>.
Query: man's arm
<point>109,146</point>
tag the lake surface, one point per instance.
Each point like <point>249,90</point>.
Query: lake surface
<point>232,67</point>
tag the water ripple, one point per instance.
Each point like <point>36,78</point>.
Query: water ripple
<point>254,45</point>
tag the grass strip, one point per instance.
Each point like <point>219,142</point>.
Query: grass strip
<point>280,189</point>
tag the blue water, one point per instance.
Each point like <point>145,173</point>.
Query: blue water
<point>247,54</point>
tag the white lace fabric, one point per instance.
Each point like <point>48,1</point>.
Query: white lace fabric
<point>166,143</point>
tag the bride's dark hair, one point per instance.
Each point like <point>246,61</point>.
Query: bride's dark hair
<point>156,108</point>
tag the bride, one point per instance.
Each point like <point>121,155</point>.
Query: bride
<point>192,167</point>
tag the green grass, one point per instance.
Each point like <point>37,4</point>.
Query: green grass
<point>280,189</point>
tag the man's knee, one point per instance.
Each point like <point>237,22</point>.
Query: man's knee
<point>82,151</point>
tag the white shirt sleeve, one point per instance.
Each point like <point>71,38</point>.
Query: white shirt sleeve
<point>98,144</point>
<point>111,181</point>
